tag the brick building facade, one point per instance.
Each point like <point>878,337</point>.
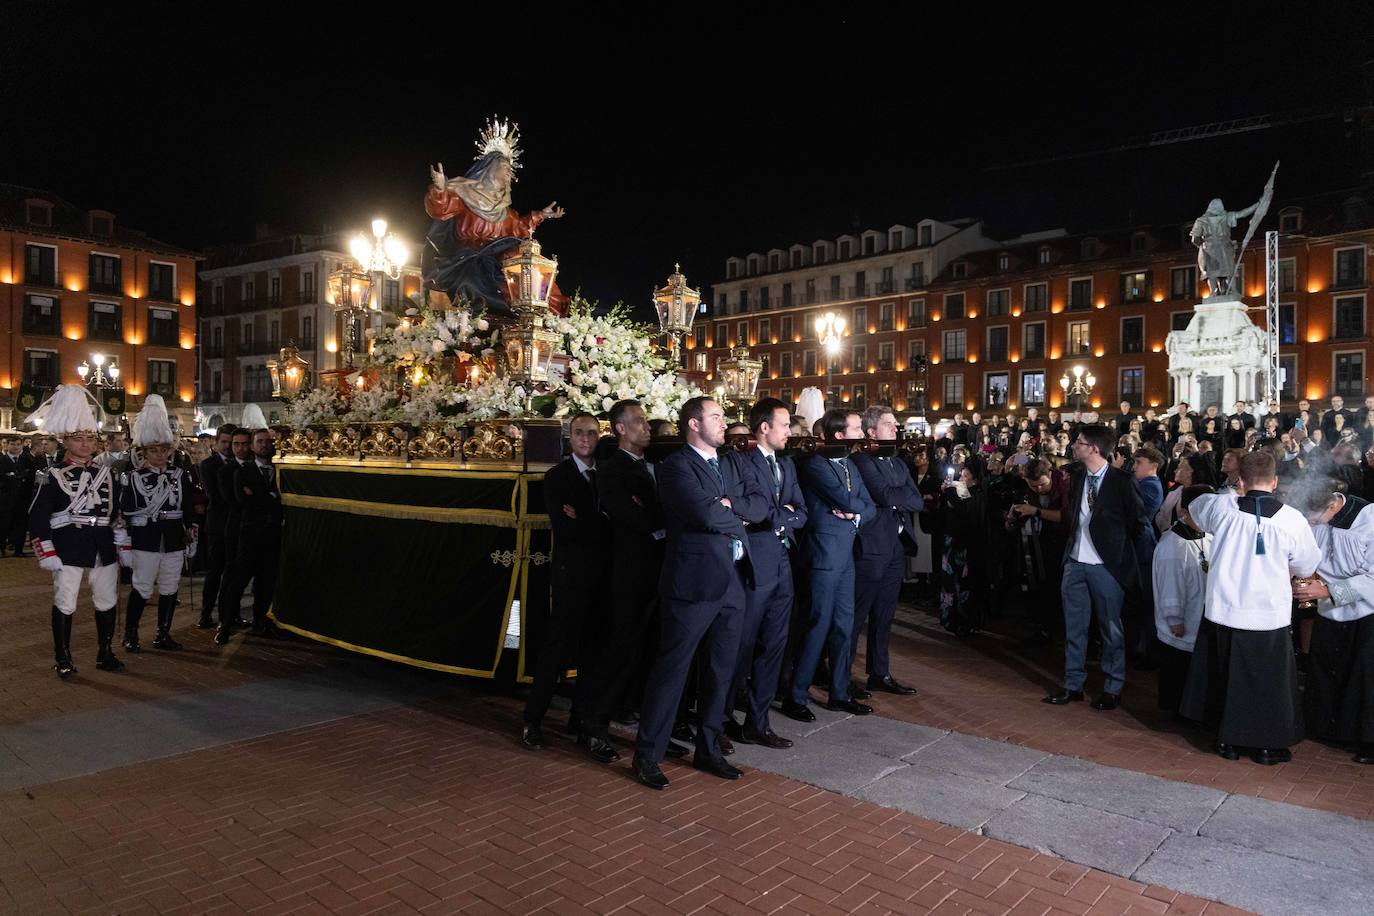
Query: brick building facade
<point>999,323</point>
<point>259,296</point>
<point>74,283</point>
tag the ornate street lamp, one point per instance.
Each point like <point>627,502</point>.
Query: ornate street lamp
<point>529,345</point>
<point>677,305</point>
<point>740,377</point>
<point>383,255</point>
<point>1079,386</point>
<point>830,331</point>
<point>99,375</point>
<point>349,292</point>
<point>288,373</point>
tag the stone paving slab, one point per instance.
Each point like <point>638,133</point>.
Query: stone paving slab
<point>941,796</point>
<point>1098,839</point>
<point>877,735</point>
<point>1261,881</point>
<point>46,750</point>
<point>831,766</point>
<point>1178,805</point>
<point>1332,840</point>
<point>995,761</point>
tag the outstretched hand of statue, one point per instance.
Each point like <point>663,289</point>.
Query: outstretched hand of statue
<point>553,211</point>
<point>436,175</point>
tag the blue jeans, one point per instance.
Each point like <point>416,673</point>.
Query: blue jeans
<point>1090,588</point>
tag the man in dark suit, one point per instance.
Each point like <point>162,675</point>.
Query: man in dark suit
<point>259,542</point>
<point>883,539</point>
<point>961,432</point>
<point>1122,421</point>
<point>1238,412</point>
<point>837,502</point>
<point>212,538</point>
<point>1328,426</point>
<point>1106,529</point>
<point>581,549</point>
<point>10,481</point>
<point>628,495</point>
<point>705,569</point>
<point>774,511</point>
<point>241,452</point>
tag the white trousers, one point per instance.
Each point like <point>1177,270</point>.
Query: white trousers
<point>153,568</point>
<point>104,587</point>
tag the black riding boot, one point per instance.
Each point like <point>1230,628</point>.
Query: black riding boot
<point>132,616</point>
<point>166,606</point>
<point>62,640</point>
<point>104,628</point>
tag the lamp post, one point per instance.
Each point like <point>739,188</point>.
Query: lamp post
<point>830,331</point>
<point>381,256</point>
<point>677,305</point>
<point>289,372</point>
<point>740,377</point>
<point>1079,386</point>
<point>529,345</point>
<point>98,375</point>
<point>349,291</point>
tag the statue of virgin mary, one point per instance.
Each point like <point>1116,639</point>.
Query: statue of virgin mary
<point>474,227</point>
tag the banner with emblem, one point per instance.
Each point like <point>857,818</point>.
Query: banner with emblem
<point>28,398</point>
<point>112,401</point>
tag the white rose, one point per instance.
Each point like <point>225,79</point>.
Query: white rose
<point>437,346</point>
<point>482,324</point>
<point>590,340</point>
<point>603,389</point>
<point>607,403</point>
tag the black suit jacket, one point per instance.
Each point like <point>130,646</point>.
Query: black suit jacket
<point>629,498</point>
<point>581,546</point>
<point>209,480</point>
<point>228,494</point>
<point>765,513</point>
<point>698,563</point>
<point>894,493</point>
<point>1118,525</point>
<point>258,497</point>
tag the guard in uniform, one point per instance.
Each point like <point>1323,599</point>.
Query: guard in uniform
<point>152,501</point>
<point>72,521</point>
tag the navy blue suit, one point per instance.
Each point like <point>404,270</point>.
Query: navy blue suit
<point>830,548</point>
<point>768,605</point>
<point>702,596</point>
<point>882,558</point>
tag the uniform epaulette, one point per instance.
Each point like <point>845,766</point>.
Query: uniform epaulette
<point>40,476</point>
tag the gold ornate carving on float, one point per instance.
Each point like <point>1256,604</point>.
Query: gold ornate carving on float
<point>340,443</point>
<point>432,443</point>
<point>492,441</point>
<point>385,441</point>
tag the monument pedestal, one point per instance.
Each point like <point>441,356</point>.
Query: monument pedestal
<point>1219,358</point>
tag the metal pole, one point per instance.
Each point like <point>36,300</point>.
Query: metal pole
<point>1271,315</point>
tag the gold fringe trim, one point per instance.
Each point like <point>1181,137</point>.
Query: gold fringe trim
<point>389,656</point>
<point>492,517</point>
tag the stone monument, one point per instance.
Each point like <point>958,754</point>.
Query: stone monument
<point>1220,357</point>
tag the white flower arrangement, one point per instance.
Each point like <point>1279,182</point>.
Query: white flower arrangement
<point>610,358</point>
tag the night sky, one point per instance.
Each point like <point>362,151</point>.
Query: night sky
<point>670,138</point>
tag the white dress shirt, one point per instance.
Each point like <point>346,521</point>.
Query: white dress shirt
<point>1083,549</point>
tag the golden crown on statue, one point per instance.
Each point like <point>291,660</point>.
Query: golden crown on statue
<point>500,137</point>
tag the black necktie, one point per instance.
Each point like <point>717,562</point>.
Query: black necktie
<point>715,466</point>
<point>1093,480</point>
<point>590,474</point>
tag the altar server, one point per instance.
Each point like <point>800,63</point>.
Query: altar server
<point>1181,560</point>
<point>1243,678</point>
<point>72,520</point>
<point>1338,703</point>
<point>153,499</point>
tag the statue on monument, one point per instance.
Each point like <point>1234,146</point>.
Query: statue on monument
<point>474,227</point>
<point>1217,255</point>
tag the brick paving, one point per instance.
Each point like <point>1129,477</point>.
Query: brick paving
<point>435,809</point>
